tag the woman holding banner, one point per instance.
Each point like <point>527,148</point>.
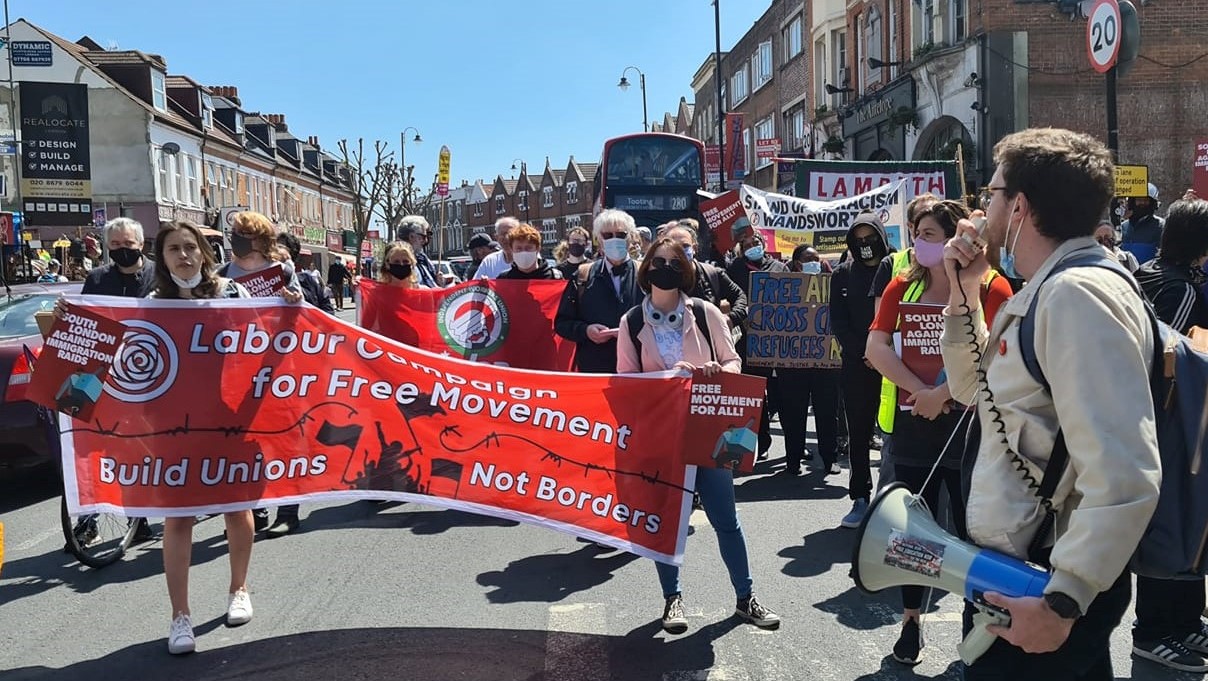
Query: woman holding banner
<point>185,269</point>
<point>661,333</point>
<point>922,429</point>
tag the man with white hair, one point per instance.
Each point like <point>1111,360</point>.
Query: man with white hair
<point>592,306</point>
<point>129,273</point>
<point>500,261</point>
<point>414,230</point>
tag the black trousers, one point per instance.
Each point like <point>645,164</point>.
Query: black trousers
<point>914,477</point>
<point>861,399</point>
<point>795,389</point>
<point>1085,655</point>
<point>1167,607</point>
<point>765,432</point>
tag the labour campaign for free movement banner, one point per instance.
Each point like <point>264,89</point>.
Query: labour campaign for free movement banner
<point>507,323</point>
<point>788,322</point>
<point>222,405</point>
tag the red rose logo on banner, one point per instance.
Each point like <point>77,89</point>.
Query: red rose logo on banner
<point>509,323</point>
<point>227,404</point>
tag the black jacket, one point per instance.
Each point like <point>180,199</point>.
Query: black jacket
<point>570,269</point>
<point>597,302</point>
<point>107,280</point>
<point>1174,294</point>
<point>740,271</point>
<point>314,292</point>
<point>337,273</point>
<point>714,285</point>
<point>544,271</point>
<point>851,306</point>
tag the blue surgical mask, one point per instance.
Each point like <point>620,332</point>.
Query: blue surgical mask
<point>689,253</point>
<point>1006,258</point>
<point>616,249</point>
<point>813,267</point>
<point>754,253</point>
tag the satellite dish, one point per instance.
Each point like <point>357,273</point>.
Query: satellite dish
<point>171,148</point>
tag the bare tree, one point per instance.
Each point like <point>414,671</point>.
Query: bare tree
<point>367,181</point>
<point>401,197</point>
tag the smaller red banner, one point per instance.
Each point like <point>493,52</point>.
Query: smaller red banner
<point>724,416</point>
<point>264,283</point>
<point>720,215</point>
<point>75,360</point>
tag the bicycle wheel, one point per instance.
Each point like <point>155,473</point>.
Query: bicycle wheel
<point>97,539</point>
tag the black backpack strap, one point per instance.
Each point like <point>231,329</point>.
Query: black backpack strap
<point>634,321</point>
<point>222,271</point>
<point>702,324</point>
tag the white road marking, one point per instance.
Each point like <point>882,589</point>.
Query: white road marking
<point>37,539</point>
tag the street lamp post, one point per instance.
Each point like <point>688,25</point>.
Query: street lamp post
<point>624,85</point>
<point>404,173</point>
<point>721,107</point>
<point>527,198</point>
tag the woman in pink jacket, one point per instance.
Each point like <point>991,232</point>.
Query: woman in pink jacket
<point>670,337</point>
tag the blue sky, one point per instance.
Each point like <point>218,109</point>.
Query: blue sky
<point>491,81</point>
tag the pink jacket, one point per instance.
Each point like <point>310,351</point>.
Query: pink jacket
<point>696,350</point>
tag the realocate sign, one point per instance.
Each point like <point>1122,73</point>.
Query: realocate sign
<point>56,176</point>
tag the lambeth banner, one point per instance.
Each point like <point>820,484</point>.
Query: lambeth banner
<point>56,171</point>
<point>788,222</point>
<point>504,322</point>
<point>832,180</point>
<point>919,339</point>
<point>788,321</point>
<point>243,403</point>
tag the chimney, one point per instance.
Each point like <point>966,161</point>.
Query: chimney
<point>313,141</point>
<point>227,91</point>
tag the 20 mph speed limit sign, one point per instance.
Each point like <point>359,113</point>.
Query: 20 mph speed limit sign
<point>1103,35</point>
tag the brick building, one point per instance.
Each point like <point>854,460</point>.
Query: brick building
<point>557,200</point>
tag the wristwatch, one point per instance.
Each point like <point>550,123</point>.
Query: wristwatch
<point>1063,605</point>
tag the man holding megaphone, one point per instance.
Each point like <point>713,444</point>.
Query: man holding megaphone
<point>1042,205</point>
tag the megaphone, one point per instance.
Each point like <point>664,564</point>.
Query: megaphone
<point>900,544</point>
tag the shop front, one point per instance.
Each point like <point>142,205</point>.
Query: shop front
<point>876,124</point>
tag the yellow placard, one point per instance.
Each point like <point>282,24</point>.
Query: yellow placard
<point>443,168</point>
<point>1132,181</point>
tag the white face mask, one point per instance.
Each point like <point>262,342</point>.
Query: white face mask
<point>616,249</point>
<point>190,283</point>
<point>814,267</point>
<point>525,260</point>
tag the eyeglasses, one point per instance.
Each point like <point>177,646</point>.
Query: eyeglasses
<point>614,235</point>
<point>987,196</point>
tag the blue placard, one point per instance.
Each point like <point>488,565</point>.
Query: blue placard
<point>31,53</point>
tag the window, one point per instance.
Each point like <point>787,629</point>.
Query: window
<point>549,231</point>
<point>761,64</point>
<point>746,148</point>
<point>159,92</point>
<point>821,77</point>
<point>895,50</point>
<point>927,32</point>
<point>795,124</point>
<point>238,123</point>
<point>178,179</point>
<point>765,130</point>
<point>522,200</point>
<point>207,111</point>
<point>194,185</point>
<point>499,205</point>
<point>572,222</point>
<point>478,210</point>
<point>791,38</point>
<point>956,15</point>
<point>872,44</point>
<point>572,192</point>
<point>165,179</point>
<point>547,197</point>
<point>211,185</point>
<point>738,84</point>
<point>229,194</point>
<point>841,76</point>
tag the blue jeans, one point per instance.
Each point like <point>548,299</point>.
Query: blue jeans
<point>716,489</point>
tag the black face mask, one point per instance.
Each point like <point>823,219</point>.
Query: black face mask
<point>399,271</point>
<point>125,257</point>
<point>870,248</point>
<point>665,278</point>
<point>577,250</point>
<point>241,246</point>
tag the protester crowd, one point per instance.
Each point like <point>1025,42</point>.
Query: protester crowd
<point>1015,292</point>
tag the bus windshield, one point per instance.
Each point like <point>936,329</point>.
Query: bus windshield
<point>654,161</point>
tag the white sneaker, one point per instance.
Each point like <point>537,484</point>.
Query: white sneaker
<point>239,608</point>
<point>180,636</point>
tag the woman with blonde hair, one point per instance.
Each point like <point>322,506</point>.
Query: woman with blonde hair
<point>399,267</point>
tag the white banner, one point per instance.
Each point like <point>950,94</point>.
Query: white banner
<point>787,221</point>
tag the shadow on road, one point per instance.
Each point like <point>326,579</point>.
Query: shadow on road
<point>891,670</point>
<point>26,487</point>
<point>551,577</point>
<point>779,487</point>
<point>818,552</point>
<point>431,654</point>
<point>421,520</point>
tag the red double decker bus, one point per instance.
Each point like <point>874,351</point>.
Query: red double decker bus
<point>653,176</point>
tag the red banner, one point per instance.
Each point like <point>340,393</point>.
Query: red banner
<point>720,214</point>
<point>242,403</point>
<point>264,283</point>
<point>77,356</point>
<point>724,417</point>
<point>508,322</point>
<point>735,150</point>
<point>920,330</point>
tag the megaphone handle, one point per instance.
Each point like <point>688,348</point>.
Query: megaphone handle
<point>980,639</point>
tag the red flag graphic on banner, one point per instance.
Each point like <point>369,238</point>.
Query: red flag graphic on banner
<point>247,402</point>
<point>508,322</point>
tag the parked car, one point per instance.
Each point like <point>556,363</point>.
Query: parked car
<point>461,265</point>
<point>450,276</point>
<point>24,437</point>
